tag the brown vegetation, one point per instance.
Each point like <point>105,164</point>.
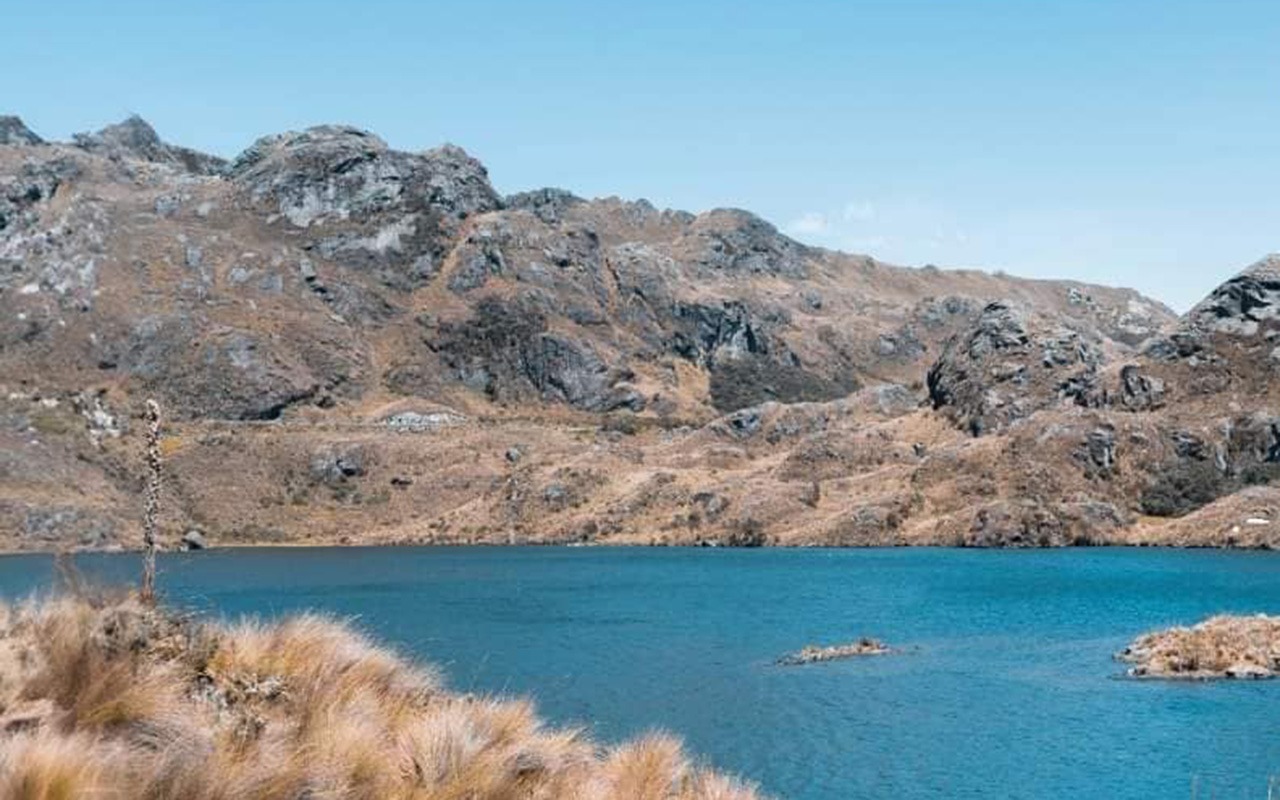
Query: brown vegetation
<point>1220,647</point>
<point>812,654</point>
<point>115,699</point>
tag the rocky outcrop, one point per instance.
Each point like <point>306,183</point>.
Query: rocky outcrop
<point>134,138</point>
<point>50,253</point>
<point>507,351</point>
<point>814,654</point>
<point>999,371</point>
<point>1026,523</point>
<point>549,205</point>
<point>748,363</point>
<point>336,465</point>
<point>706,333</point>
<point>1246,305</point>
<point>362,204</point>
<point>739,243</point>
<point>235,374</point>
<point>1139,391</point>
<point>14,133</point>
<point>22,195</point>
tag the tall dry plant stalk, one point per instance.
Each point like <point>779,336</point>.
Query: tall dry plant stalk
<point>151,507</point>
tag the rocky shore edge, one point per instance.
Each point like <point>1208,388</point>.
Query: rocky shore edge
<point>816,654</point>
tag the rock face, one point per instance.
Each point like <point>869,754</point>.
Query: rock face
<point>14,132</point>
<point>237,375</point>
<point>1139,392</point>
<point>1246,305</point>
<point>363,205</point>
<point>347,338</point>
<point>134,138</point>
<point>736,241</point>
<point>508,352</point>
<point>999,372</point>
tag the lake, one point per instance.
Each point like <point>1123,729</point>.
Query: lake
<point>1005,688</point>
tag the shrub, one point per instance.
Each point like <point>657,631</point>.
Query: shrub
<point>754,379</point>
<point>1182,488</point>
<point>621,422</point>
<point>52,423</point>
<point>746,532</point>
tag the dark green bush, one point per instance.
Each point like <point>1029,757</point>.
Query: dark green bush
<point>754,379</point>
<point>1183,487</point>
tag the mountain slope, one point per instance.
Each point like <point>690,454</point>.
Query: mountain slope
<point>357,343</point>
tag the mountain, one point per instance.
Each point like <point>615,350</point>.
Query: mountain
<point>353,343</point>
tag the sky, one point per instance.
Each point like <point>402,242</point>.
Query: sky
<point>1126,142</point>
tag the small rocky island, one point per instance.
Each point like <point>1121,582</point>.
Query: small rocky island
<point>813,654</point>
<point>1221,647</point>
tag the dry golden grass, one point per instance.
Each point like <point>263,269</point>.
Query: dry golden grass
<point>1220,647</point>
<point>108,698</point>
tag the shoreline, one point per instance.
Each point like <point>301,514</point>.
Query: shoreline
<point>627,546</point>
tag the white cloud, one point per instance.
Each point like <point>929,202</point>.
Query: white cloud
<point>859,211</point>
<point>898,229</point>
<point>809,223</point>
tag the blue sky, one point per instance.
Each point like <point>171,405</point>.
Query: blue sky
<point>1128,141</point>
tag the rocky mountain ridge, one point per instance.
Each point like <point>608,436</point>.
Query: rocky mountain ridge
<point>356,343</point>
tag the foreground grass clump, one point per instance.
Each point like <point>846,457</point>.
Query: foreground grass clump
<point>116,699</point>
<point>1220,647</point>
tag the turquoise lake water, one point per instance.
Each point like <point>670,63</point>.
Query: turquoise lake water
<point>1006,688</point>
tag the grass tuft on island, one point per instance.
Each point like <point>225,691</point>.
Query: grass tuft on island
<point>1221,647</point>
<point>813,654</point>
<point>113,698</point>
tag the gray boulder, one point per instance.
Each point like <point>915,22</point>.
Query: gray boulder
<point>1100,451</point>
<point>335,465</point>
<point>1139,391</point>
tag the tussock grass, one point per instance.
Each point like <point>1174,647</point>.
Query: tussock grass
<point>1223,646</point>
<point>113,698</point>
